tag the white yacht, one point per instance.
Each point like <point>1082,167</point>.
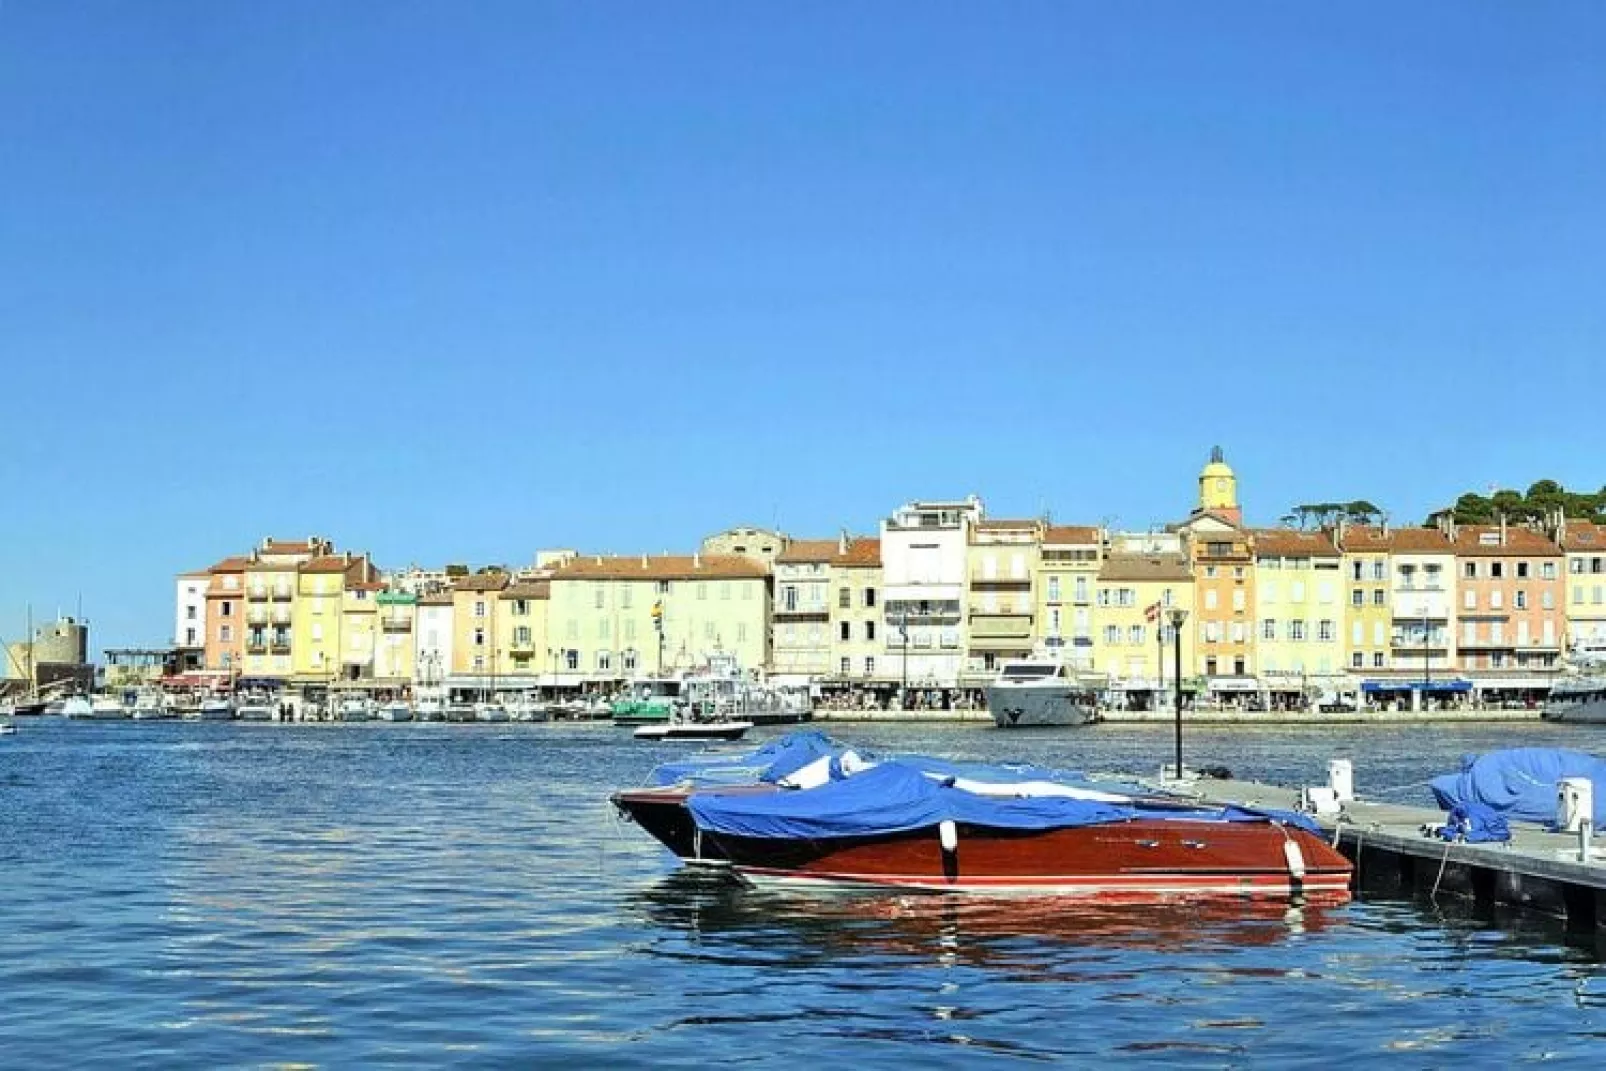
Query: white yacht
<point>108,708</point>
<point>77,706</point>
<point>1579,699</point>
<point>1039,690</point>
<point>430,708</point>
<point>354,708</point>
<point>527,708</point>
<point>256,705</point>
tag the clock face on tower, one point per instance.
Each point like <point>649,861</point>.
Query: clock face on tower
<point>1221,483</point>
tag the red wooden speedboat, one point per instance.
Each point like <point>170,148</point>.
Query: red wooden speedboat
<point>900,826</point>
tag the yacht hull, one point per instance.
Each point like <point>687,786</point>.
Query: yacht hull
<point>1035,706</point>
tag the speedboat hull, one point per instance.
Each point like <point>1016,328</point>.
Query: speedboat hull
<point>1138,860</point>
<point>727,730</point>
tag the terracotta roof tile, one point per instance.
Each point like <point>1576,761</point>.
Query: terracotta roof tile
<point>1144,567</point>
<point>1001,525</point>
<point>663,567</point>
<point>1470,542</point>
<point>1583,536</point>
<point>1071,533</point>
<point>1368,538</point>
<point>807,550</point>
<point>326,563</point>
<point>863,553</point>
<point>482,582</point>
<point>231,565</point>
<point>437,598</point>
<point>529,589</point>
<point>1293,543</point>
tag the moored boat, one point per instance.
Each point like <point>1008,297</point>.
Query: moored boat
<point>707,730</point>
<point>1581,700</point>
<point>215,708</point>
<point>1038,691</point>
<point>803,811</point>
<point>395,710</point>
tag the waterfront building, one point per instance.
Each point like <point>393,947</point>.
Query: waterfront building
<point>855,631</point>
<point>1421,611</point>
<point>434,633</point>
<point>1003,557</point>
<point>474,628</point>
<point>417,580</point>
<point>1510,608</point>
<point>272,578</point>
<point>1067,577</point>
<point>762,545</point>
<point>359,631</point>
<point>225,616</point>
<point>616,618</point>
<point>1222,561</point>
<point>1585,547</point>
<point>523,650</point>
<point>1141,579</point>
<point>1299,616</point>
<point>312,627</point>
<point>924,560</point>
<point>1368,617</point>
<point>396,649</point>
<point>799,635</point>
<point>189,620</point>
<point>56,655</point>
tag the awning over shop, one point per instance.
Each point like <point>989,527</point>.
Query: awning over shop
<point>260,682</point>
<point>1453,685</point>
<point>1234,684</point>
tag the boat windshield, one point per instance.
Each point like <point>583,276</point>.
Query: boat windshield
<point>1029,671</point>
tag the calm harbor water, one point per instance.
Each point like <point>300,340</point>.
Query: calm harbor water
<point>223,895</point>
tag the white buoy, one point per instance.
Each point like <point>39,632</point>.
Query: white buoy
<point>948,836</point>
<point>1341,779</point>
<point>1296,860</point>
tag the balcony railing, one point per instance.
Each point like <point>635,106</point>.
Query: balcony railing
<point>280,646</point>
<point>256,647</point>
<point>281,615</point>
<point>257,615</point>
<point>257,592</point>
<point>395,622</point>
<point>281,592</point>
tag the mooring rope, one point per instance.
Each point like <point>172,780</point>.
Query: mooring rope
<point>1433,896</point>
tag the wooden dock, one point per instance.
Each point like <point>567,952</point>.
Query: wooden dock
<point>1534,871</point>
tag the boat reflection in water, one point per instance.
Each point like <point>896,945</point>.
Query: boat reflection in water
<point>974,930</point>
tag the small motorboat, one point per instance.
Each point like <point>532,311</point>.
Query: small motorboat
<point>354,708</point>
<point>256,706</point>
<point>430,708</point>
<point>493,711</point>
<point>805,811</point>
<point>77,706</point>
<point>108,708</point>
<point>694,730</point>
<point>395,710</point>
<point>215,708</point>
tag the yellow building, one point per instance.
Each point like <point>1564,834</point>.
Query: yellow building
<point>1068,576</point>
<point>319,617</point>
<point>602,625</point>
<point>1002,559</point>
<point>271,586</point>
<point>474,626</point>
<point>1368,618</point>
<point>1141,581</point>
<point>858,646</point>
<point>359,630</point>
<point>395,652</point>
<point>1300,595</point>
<point>521,631</point>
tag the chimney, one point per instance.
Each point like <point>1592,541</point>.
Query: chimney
<point>599,559</point>
<point>1502,529</point>
<point>1385,526</point>
<point>644,561</point>
<point>842,542</point>
<point>696,560</point>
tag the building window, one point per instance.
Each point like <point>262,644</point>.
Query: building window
<point>1296,630</point>
<point>521,608</point>
<point>1268,628</point>
<point>189,613</point>
<point>1134,634</point>
<point>604,661</point>
<point>1522,600</point>
<point>479,607</point>
<point>521,635</point>
<point>789,598</point>
<point>1357,597</point>
<point>662,587</point>
<point>1377,660</point>
<point>1053,589</point>
<point>725,590</point>
<point>741,632</point>
<point>844,599</point>
<point>1112,635</point>
<point>1324,631</point>
<point>1547,570</point>
<point>1378,597</point>
<point>845,630</point>
<point>1522,570</point>
<point>479,637</point>
<point>1496,570</point>
<point>844,667</point>
<point>479,661</point>
<point>1547,600</point>
<point>225,633</point>
<point>869,667</point>
<point>571,659</point>
<point>624,595</point>
<point>869,630</point>
<point>630,661</point>
<point>228,608</point>
<point>869,597</point>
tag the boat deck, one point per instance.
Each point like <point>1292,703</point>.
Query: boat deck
<point>1535,870</point>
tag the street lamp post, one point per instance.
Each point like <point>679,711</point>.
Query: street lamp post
<point>1427,657</point>
<point>1178,616</point>
<point>903,628</point>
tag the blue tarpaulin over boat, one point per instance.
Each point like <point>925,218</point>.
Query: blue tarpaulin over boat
<point>1520,782</point>
<point>770,763</point>
<point>896,797</point>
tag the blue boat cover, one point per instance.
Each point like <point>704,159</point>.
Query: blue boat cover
<point>775,760</point>
<point>896,797</point>
<point>1520,782</point>
<point>1475,824</point>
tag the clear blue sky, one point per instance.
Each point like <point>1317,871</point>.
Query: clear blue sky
<point>455,281</point>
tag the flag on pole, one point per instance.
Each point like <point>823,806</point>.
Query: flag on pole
<point>1152,611</point>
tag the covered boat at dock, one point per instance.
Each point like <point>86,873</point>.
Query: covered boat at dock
<point>806,811</point>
